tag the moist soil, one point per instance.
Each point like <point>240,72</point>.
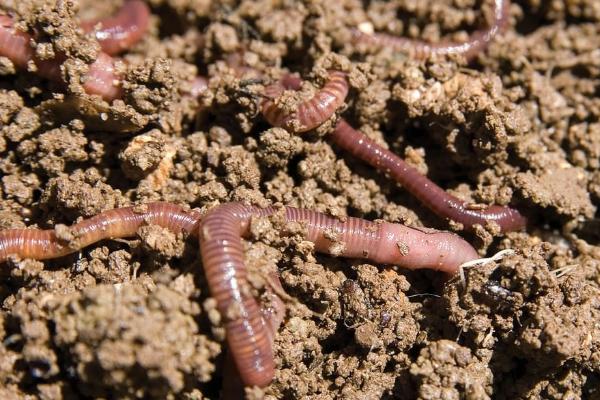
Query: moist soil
<point>133,318</point>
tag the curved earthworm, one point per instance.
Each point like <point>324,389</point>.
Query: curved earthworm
<point>360,146</point>
<point>420,50</point>
<point>249,331</point>
<point>16,46</point>
<point>122,30</point>
<point>432,196</point>
<point>114,35</point>
<point>233,386</point>
<point>221,230</point>
<point>121,222</point>
<point>101,78</point>
<point>308,114</point>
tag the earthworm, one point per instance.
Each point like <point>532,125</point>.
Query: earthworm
<point>249,330</point>
<point>360,146</point>
<point>101,78</point>
<point>233,386</point>
<point>115,34</point>
<point>117,223</point>
<point>308,114</point>
<point>432,196</point>
<point>122,30</point>
<point>421,50</point>
<point>222,253</point>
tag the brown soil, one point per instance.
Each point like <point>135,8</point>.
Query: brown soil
<point>132,319</point>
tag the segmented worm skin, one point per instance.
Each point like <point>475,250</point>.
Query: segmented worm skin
<point>116,34</point>
<point>222,252</point>
<point>102,78</point>
<point>121,222</point>
<point>431,195</point>
<point>421,50</point>
<point>311,113</point>
<point>249,329</point>
<point>15,45</point>
<point>273,315</point>
<point>121,31</point>
<point>435,198</point>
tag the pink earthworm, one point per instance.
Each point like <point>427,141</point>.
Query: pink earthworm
<point>432,196</point>
<point>222,253</point>
<point>122,30</point>
<point>120,222</point>
<point>308,114</point>
<point>421,50</point>
<point>273,315</point>
<point>101,78</point>
<point>114,35</point>
<point>360,146</point>
<point>249,330</point>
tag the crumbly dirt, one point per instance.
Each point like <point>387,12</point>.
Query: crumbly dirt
<point>133,318</point>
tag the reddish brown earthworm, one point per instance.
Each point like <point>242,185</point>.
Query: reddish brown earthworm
<point>360,146</point>
<point>223,259</point>
<point>308,114</point>
<point>249,330</point>
<point>432,196</point>
<point>122,30</point>
<point>15,45</point>
<point>273,314</point>
<point>121,222</point>
<point>101,78</point>
<point>420,50</point>
<point>114,35</point>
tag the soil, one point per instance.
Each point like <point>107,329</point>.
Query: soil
<point>133,318</point>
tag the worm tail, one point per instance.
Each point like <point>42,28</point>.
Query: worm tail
<point>431,195</point>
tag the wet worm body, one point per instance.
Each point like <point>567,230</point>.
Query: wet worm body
<point>421,50</point>
<point>121,222</point>
<point>273,315</point>
<point>308,114</point>
<point>101,78</point>
<point>432,196</point>
<point>114,35</point>
<point>249,329</point>
<point>121,31</point>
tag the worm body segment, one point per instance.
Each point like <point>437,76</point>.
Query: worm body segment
<point>421,50</point>
<point>431,195</point>
<point>119,32</point>
<point>223,259</point>
<point>114,34</point>
<point>16,46</point>
<point>121,222</point>
<point>101,78</point>
<point>221,247</point>
<point>308,114</point>
<point>249,329</point>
